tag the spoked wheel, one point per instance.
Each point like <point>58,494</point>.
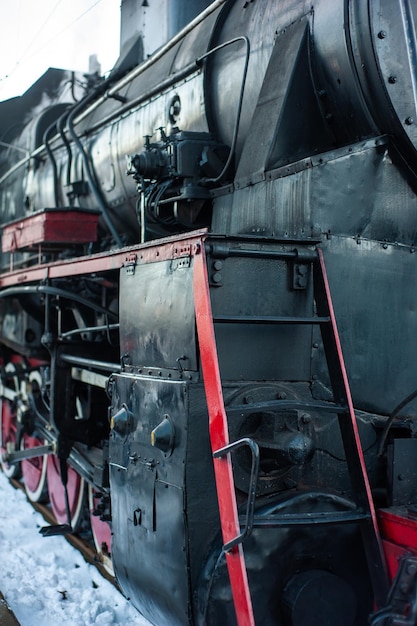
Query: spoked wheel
<point>8,416</point>
<point>76,493</point>
<point>101,529</point>
<point>33,470</point>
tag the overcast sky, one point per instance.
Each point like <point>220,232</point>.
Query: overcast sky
<point>37,34</point>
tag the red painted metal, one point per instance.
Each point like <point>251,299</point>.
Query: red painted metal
<point>33,470</point>
<point>169,248</point>
<point>50,226</point>
<point>399,527</point>
<point>75,488</point>
<point>348,396</point>
<point>393,555</point>
<point>219,438</point>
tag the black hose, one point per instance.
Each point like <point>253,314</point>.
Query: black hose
<point>86,160</point>
<point>60,127</point>
<point>45,140</point>
<point>391,418</point>
<point>239,107</point>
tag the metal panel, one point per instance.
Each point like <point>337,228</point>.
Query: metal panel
<point>157,315</point>
<point>147,486</point>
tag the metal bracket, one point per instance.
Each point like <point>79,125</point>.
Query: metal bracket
<point>402,600</point>
<point>250,506</point>
<point>130,263</point>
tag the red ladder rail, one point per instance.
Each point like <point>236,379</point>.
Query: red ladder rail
<point>219,437</point>
<point>349,430</point>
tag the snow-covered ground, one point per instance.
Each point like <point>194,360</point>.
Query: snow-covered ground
<point>45,581</point>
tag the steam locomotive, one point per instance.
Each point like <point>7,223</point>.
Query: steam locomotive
<point>208,322</point>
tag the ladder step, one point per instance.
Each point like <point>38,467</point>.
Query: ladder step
<point>303,519</point>
<point>268,319</point>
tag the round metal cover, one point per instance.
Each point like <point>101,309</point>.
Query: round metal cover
<point>384,44</point>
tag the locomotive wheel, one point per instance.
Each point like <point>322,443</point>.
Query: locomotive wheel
<point>8,417</point>
<point>76,493</point>
<point>34,471</point>
<point>101,531</point>
<point>8,436</point>
<point>300,575</point>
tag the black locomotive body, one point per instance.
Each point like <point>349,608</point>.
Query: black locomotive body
<point>228,365</point>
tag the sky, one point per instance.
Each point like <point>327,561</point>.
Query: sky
<point>45,581</point>
<point>37,34</point>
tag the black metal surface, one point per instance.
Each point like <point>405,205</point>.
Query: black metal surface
<point>285,552</point>
<point>163,502</point>
<point>157,316</point>
<point>402,600</point>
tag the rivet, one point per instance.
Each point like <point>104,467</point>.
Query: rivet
<point>392,80</point>
<point>382,34</point>
<point>409,121</point>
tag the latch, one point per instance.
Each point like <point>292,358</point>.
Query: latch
<point>130,263</point>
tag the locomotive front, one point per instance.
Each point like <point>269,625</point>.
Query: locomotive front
<point>236,397</point>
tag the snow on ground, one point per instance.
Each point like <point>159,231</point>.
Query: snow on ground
<point>45,580</point>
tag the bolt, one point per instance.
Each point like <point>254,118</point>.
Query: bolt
<point>392,80</point>
<point>217,278</point>
<point>248,399</point>
<point>409,121</point>
<point>382,34</point>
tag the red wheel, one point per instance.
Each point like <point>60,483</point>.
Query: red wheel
<point>34,471</point>
<point>76,490</point>
<point>101,531</point>
<point>8,438</point>
<point>8,417</point>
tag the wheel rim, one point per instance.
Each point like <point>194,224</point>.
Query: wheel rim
<point>101,532</point>
<point>8,416</point>
<point>8,435</point>
<point>76,491</point>
<point>34,470</point>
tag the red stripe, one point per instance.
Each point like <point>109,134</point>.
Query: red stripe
<point>219,438</point>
